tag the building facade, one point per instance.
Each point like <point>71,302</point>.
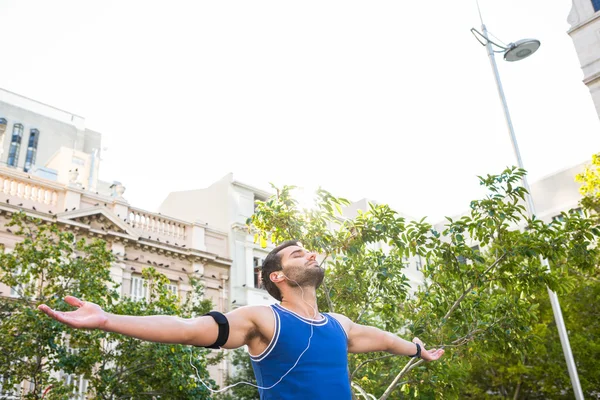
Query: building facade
<point>32,132</point>
<point>584,20</point>
<point>226,205</point>
<point>49,170</point>
<point>178,249</point>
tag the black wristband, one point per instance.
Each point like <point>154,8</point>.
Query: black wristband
<point>418,355</point>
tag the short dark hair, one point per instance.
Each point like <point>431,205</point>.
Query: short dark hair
<point>273,263</point>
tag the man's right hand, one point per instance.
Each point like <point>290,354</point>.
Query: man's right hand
<point>87,316</point>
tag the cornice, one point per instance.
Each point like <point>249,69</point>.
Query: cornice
<point>580,25</point>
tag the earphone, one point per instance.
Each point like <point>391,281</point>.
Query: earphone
<point>284,375</point>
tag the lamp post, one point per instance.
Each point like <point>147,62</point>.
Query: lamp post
<point>515,52</point>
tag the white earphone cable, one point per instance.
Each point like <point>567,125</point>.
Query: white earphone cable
<point>284,375</point>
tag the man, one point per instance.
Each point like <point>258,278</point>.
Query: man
<point>296,352</point>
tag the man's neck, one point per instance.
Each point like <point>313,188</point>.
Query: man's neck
<point>302,302</point>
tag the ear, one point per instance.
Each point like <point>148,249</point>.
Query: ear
<point>277,276</point>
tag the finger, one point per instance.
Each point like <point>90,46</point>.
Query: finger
<point>45,309</point>
<point>48,311</point>
<point>432,354</point>
<point>73,301</point>
<point>59,316</point>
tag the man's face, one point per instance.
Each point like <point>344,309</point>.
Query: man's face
<point>300,266</point>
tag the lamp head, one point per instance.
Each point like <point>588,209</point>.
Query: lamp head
<point>521,49</point>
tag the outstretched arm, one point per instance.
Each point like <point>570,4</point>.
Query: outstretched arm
<point>201,331</point>
<point>365,339</point>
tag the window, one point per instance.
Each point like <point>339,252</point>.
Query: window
<point>258,273</point>
<point>78,161</point>
<point>34,136</point>
<point>596,4</point>
<point>419,263</point>
<point>258,198</point>
<point>172,288</point>
<point>3,123</point>
<point>405,262</point>
<point>138,288</point>
<point>8,393</point>
<point>15,145</point>
<point>578,210</point>
<point>78,382</point>
<point>17,291</point>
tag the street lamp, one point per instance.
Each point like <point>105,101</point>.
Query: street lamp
<point>515,52</point>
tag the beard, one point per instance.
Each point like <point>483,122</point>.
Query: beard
<point>306,276</point>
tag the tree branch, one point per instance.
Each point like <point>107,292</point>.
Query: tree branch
<point>326,289</point>
<point>362,364</point>
<point>364,310</point>
<point>461,298</point>
<point>361,391</point>
<point>409,365</point>
<point>518,389</point>
<point>126,371</point>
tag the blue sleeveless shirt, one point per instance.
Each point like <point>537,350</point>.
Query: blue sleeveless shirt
<point>321,373</point>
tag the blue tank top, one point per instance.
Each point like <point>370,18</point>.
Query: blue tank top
<point>321,373</point>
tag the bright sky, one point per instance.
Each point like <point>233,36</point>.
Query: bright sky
<point>389,100</point>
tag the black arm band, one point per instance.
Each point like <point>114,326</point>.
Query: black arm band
<point>221,320</point>
<point>418,355</point>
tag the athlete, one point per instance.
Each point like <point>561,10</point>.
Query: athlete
<point>296,352</point>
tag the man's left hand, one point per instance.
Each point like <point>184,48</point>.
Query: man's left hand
<point>428,355</point>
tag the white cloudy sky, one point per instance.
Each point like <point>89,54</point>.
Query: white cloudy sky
<point>390,100</point>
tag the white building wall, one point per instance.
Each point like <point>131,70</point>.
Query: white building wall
<point>209,205</point>
<point>585,32</point>
<point>226,205</point>
<point>57,128</point>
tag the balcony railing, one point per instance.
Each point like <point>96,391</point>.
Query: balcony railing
<point>28,190</point>
<point>158,226</point>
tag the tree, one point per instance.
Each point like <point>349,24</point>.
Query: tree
<point>537,371</point>
<point>45,266</point>
<point>243,373</point>
<point>590,185</point>
<point>131,368</point>
<point>50,263</point>
<point>471,295</point>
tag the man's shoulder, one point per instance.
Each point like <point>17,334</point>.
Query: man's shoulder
<point>339,317</point>
<point>343,320</point>
<point>255,313</point>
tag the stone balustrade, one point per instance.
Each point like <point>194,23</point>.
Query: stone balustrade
<point>28,189</point>
<point>160,226</point>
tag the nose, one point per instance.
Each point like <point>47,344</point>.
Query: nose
<point>311,256</point>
